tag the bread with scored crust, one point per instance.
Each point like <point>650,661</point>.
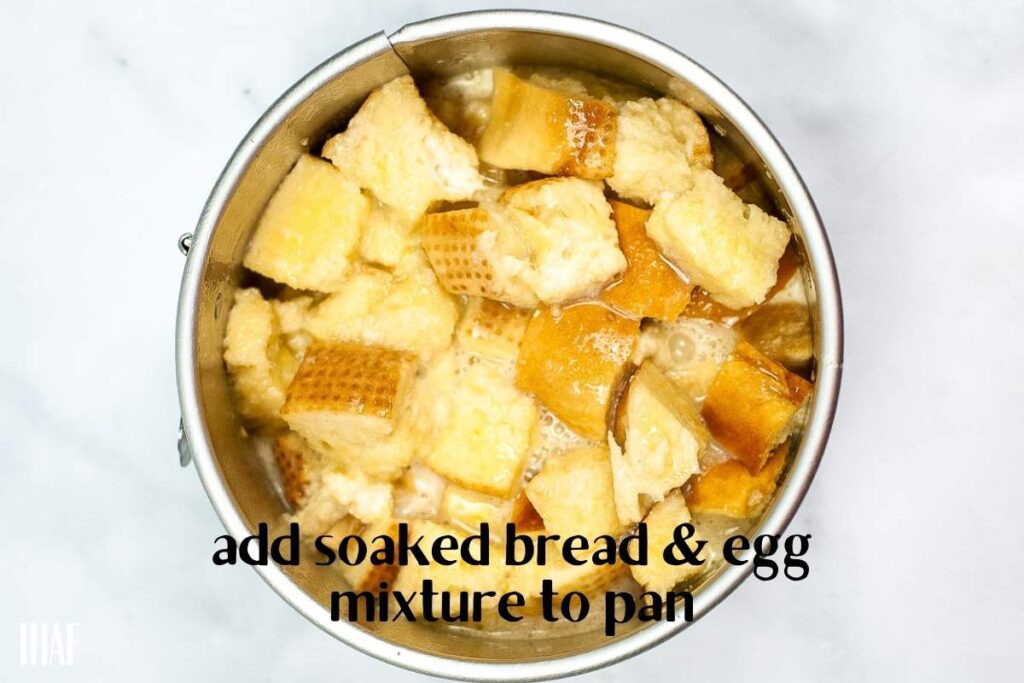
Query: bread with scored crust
<point>348,394</point>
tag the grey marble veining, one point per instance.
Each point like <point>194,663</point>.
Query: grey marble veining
<point>905,121</point>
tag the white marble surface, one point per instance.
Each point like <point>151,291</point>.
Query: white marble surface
<point>115,119</point>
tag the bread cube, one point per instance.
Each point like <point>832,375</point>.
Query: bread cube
<point>567,226</point>
<point>387,237</point>
<point>366,576</point>
<point>729,488</point>
<point>307,235</point>
<point>659,143</point>
<point>649,288</point>
<point>574,361</point>
<point>573,494</point>
<point>467,510</point>
<point>751,405</point>
<point>782,332</point>
<point>291,457</point>
<point>492,329</point>
<point>409,312</point>
<point>536,129</point>
<point>454,578</point>
<point>399,151</point>
<point>478,252</point>
<point>729,248</point>
<point>662,437</point>
<point>348,394</point>
<point>703,306</point>
<point>484,434</point>
<point>658,575</point>
<point>260,365</point>
<point>385,458</point>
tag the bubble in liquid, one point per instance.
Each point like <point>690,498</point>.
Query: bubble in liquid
<point>681,348</point>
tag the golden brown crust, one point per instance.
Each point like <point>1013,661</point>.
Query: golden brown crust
<point>289,452</point>
<point>525,516</point>
<point>782,332</point>
<point>464,247</point>
<point>750,406</point>
<point>574,361</point>
<point>346,377</point>
<point>449,238</point>
<point>729,488</point>
<point>649,288</point>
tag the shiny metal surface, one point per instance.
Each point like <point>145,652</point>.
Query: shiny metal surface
<point>240,489</point>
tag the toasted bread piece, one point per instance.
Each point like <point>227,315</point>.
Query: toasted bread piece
<point>649,288</point>
<point>492,329</point>
<point>729,248</point>
<point>367,499</point>
<point>703,306</point>
<point>348,394</point>
<point>484,433</point>
<point>524,515</point>
<point>385,458</point>
<point>537,129</point>
<point>307,235</point>
<point>751,405</point>
<point>365,576</point>
<point>658,575</point>
<point>782,332</point>
<point>387,237</point>
<point>662,438</point>
<point>454,578</point>
<point>479,252</point>
<point>396,147</point>
<point>589,578</point>
<point>567,226</point>
<point>573,493</point>
<point>406,311</point>
<point>659,144</point>
<point>292,464</point>
<point>467,510</point>
<point>729,488</point>
<point>574,361</point>
<point>689,351</point>
<point>260,364</point>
